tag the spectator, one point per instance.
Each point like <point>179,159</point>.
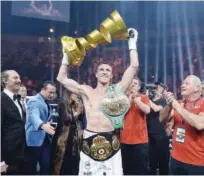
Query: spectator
<point>38,128</point>
<point>13,141</point>
<point>133,136</point>
<point>188,115</point>
<point>159,153</point>
<point>66,141</point>
<point>23,93</point>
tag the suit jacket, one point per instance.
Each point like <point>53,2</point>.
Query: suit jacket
<point>37,113</point>
<point>12,135</point>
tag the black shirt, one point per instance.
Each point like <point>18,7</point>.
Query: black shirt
<point>153,124</point>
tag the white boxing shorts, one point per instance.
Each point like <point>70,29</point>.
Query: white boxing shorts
<point>101,154</point>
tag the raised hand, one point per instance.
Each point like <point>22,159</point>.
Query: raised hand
<point>65,59</point>
<point>133,36</point>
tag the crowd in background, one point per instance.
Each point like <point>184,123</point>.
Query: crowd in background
<point>37,61</point>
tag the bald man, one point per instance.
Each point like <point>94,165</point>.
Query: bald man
<point>12,124</point>
<point>188,136</point>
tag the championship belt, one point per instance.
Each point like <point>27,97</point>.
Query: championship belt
<point>115,105</point>
<point>101,147</point>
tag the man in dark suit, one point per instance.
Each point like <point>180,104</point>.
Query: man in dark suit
<point>23,93</point>
<point>12,124</point>
<point>38,127</point>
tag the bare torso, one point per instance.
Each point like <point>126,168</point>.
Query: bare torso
<point>96,120</point>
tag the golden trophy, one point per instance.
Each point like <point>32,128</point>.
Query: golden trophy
<point>76,47</point>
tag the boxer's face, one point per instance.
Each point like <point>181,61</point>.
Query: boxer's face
<point>104,73</point>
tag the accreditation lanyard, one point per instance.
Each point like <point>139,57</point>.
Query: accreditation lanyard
<point>192,106</point>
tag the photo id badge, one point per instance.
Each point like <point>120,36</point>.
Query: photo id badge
<point>180,134</point>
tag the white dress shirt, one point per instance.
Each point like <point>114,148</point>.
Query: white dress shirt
<point>11,94</point>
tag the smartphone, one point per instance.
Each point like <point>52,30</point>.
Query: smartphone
<point>54,124</point>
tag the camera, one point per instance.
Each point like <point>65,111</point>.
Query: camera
<point>148,89</point>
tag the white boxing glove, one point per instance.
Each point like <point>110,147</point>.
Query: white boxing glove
<point>65,59</point>
<point>133,35</point>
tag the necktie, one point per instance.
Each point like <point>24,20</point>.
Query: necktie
<point>18,98</point>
